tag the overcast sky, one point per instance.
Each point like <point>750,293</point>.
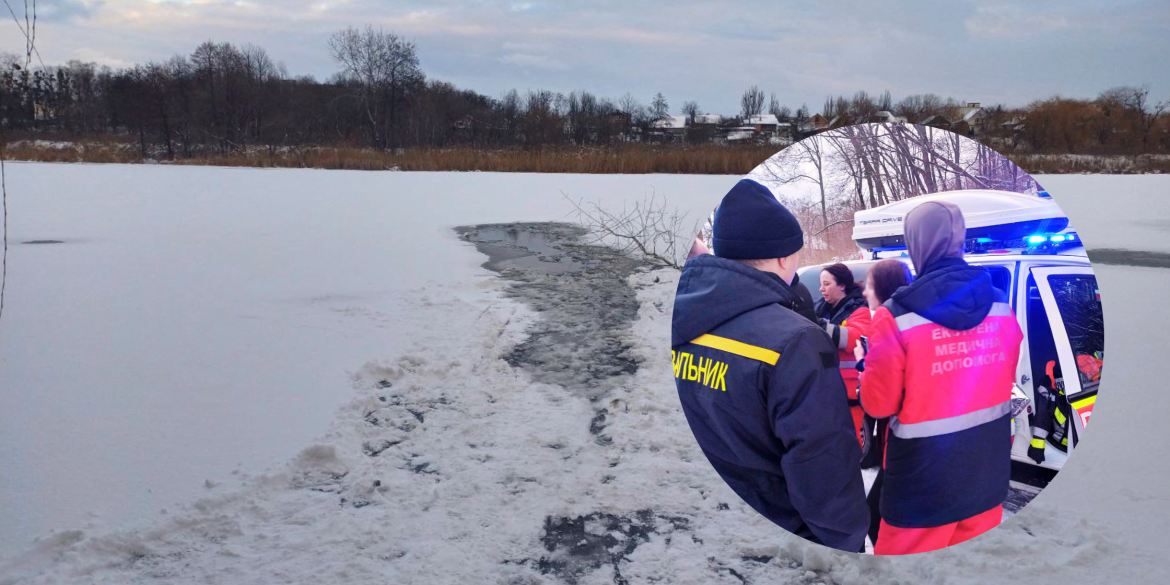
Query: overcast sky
<point>987,51</point>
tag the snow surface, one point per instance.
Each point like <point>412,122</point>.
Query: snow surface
<point>1115,211</point>
<point>201,323</point>
<point>475,462</point>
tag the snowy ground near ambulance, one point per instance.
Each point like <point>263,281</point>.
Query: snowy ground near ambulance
<point>417,451</point>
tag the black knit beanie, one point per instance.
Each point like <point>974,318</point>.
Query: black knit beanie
<point>750,224</point>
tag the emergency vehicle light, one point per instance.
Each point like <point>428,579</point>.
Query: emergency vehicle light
<point>1054,238</point>
<point>994,216</point>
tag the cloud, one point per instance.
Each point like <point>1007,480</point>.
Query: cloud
<point>1003,22</point>
<point>613,33</point>
<point>707,51</point>
<point>63,10</point>
<point>88,54</point>
<point>531,61</point>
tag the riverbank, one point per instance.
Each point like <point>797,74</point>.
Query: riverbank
<point>701,159</point>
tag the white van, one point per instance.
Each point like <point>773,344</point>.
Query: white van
<point>1032,254</point>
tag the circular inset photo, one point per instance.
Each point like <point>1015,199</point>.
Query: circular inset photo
<point>887,338</point>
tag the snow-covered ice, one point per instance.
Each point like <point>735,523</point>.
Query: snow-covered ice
<point>1115,211</point>
<point>200,324</point>
<point>127,363</point>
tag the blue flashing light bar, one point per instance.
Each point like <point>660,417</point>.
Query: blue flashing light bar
<point>1056,238</point>
<point>1072,237</point>
<point>1037,239</point>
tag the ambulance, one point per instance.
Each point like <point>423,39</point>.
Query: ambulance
<point>1032,253</point>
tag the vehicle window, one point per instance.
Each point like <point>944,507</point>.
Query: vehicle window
<point>1079,301</point>
<point>811,277</point>
<point>1001,278</point>
<point>859,272</point>
<point>1041,343</point>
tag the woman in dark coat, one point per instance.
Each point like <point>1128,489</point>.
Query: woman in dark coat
<point>843,313</point>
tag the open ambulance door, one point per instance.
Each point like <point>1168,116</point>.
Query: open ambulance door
<point>1072,302</point>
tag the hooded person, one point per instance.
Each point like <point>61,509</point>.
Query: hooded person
<point>759,383</point>
<point>941,362</point>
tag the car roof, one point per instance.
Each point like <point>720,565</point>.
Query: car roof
<point>1054,259</point>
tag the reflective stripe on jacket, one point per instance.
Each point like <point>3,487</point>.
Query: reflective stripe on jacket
<point>848,322</point>
<point>942,358</point>
<point>761,391</point>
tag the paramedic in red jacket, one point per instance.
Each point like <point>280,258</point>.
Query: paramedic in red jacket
<point>844,314</point>
<point>942,356</point>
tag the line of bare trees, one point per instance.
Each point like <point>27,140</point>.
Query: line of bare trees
<point>1121,120</point>
<point>868,165</point>
<point>223,98</point>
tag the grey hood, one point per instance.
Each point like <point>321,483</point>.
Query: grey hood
<point>934,231</point>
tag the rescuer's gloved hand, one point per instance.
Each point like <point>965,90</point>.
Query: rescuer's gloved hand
<point>1036,447</point>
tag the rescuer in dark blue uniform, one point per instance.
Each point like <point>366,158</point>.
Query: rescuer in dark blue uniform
<point>760,384</point>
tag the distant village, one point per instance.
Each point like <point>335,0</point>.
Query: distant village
<point>968,120</point>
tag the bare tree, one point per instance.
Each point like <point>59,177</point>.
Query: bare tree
<point>629,104</point>
<point>384,66</point>
<point>510,112</point>
<point>659,106</point>
<point>650,229</point>
<point>799,119</point>
<point>863,108</point>
<point>1136,103</point>
<point>843,109</point>
<point>29,31</point>
<point>690,109</point>
<point>803,161</point>
<point>829,108</point>
<point>260,73</point>
<point>812,153</point>
<point>774,106</point>
<point>752,102</point>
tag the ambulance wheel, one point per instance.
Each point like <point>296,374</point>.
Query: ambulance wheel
<point>867,444</point>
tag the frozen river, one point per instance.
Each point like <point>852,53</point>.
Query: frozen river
<point>197,327</point>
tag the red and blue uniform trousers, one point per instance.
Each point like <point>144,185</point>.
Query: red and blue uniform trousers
<point>948,393</point>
